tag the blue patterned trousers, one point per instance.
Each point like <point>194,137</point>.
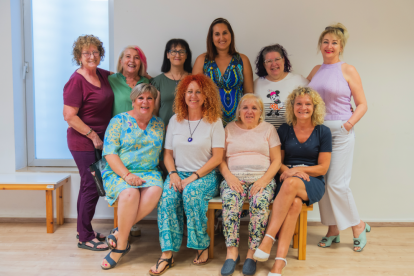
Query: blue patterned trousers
<point>194,202</point>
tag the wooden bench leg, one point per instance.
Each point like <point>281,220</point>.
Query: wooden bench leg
<point>296,234</point>
<point>303,229</point>
<point>115,217</point>
<point>49,212</point>
<point>59,205</point>
<point>210,232</point>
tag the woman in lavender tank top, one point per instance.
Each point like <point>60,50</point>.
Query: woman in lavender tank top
<point>337,82</point>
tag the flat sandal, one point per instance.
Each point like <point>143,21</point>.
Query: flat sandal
<point>169,265</point>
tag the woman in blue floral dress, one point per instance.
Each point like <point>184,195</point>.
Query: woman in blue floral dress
<point>230,70</point>
<point>132,145</point>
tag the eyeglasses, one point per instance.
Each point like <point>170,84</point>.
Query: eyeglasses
<point>270,61</point>
<point>174,52</point>
<point>88,54</point>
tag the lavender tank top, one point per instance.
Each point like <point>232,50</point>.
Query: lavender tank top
<point>330,83</point>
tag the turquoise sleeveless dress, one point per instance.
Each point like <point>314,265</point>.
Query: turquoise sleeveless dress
<point>230,85</point>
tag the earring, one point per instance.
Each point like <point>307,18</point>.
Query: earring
<point>80,63</point>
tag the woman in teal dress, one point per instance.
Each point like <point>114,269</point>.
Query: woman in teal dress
<point>132,70</point>
<point>230,70</point>
<point>132,145</point>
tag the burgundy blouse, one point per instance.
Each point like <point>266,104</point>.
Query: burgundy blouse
<point>95,107</point>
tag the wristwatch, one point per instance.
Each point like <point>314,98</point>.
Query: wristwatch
<point>171,172</point>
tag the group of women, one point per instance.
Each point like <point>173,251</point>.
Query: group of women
<point>286,138</point>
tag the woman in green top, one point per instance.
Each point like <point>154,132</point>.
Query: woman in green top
<point>132,68</point>
<point>176,65</point>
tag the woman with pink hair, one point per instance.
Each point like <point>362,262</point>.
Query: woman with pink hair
<point>132,70</point>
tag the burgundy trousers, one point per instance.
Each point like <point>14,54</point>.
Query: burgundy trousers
<point>88,195</point>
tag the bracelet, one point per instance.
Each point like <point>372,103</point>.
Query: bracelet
<point>125,175</point>
<point>349,123</point>
<point>171,172</point>
<point>198,176</point>
<point>90,131</point>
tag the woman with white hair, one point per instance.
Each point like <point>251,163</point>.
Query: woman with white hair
<point>132,146</point>
<point>131,71</point>
<point>251,160</point>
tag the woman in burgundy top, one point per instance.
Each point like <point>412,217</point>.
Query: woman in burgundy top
<point>88,100</point>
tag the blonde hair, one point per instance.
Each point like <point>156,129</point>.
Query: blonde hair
<point>340,31</point>
<point>259,102</point>
<point>318,114</point>
<point>141,71</point>
<point>85,41</point>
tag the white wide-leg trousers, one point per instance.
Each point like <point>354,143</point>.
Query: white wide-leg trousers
<point>337,206</point>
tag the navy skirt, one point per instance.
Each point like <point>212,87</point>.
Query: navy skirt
<point>315,188</point>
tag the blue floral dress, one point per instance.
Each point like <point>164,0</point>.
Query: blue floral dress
<point>138,149</point>
<point>230,85</point>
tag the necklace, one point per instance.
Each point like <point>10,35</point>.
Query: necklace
<point>191,133</point>
<point>176,81</point>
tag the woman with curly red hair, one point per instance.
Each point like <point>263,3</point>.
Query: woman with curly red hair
<point>194,147</point>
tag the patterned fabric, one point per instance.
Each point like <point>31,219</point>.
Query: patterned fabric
<point>194,202</point>
<point>230,85</point>
<point>232,210</point>
<point>138,149</point>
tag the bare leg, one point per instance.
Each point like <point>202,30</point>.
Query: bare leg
<point>292,187</point>
<point>232,253</point>
<point>286,234</point>
<point>128,202</point>
<point>148,201</point>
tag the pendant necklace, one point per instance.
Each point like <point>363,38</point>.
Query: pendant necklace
<point>176,81</point>
<point>191,133</point>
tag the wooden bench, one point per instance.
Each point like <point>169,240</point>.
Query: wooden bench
<point>299,237</point>
<point>40,181</point>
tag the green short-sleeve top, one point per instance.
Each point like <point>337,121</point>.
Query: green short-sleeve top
<point>122,91</point>
<point>166,87</point>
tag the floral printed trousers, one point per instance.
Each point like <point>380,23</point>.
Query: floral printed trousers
<point>258,209</point>
<point>194,202</point>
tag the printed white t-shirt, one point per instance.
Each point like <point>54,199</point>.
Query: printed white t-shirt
<point>274,95</point>
<point>191,156</point>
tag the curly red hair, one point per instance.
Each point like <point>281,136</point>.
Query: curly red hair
<point>212,104</point>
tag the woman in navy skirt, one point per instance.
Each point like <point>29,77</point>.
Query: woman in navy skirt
<point>306,154</point>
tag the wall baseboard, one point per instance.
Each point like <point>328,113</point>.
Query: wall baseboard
<point>153,221</point>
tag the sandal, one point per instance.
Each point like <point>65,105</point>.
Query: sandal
<point>277,274</point>
<point>113,239</point>
<point>168,266</point>
<point>111,262</point>
<point>328,241</point>
<point>97,237</point>
<point>95,246</point>
<point>260,255</point>
<point>199,255</point>
<point>361,241</point>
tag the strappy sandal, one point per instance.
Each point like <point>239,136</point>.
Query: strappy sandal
<point>277,274</point>
<point>97,237</point>
<point>260,255</point>
<point>95,246</point>
<point>113,239</point>
<point>328,241</point>
<point>198,257</point>
<point>169,265</point>
<point>361,241</point>
<point>110,261</point>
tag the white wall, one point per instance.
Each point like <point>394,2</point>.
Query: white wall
<point>7,155</point>
<point>380,47</point>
